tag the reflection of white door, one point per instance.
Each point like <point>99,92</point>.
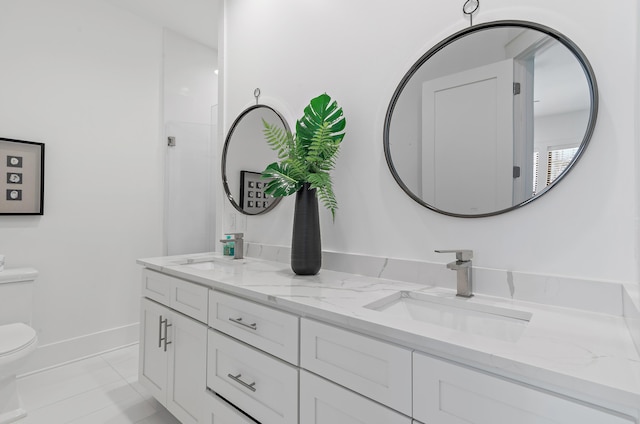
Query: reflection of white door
<point>467,140</point>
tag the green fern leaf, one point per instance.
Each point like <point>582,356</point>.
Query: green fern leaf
<point>308,155</point>
<point>277,138</point>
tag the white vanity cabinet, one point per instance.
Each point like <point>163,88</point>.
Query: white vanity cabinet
<point>213,357</point>
<point>173,349</point>
<point>447,393</point>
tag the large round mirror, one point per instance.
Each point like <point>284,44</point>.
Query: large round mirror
<point>245,155</point>
<point>490,118</point>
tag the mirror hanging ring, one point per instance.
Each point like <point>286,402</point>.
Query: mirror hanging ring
<point>469,8</point>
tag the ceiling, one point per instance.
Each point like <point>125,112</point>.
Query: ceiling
<point>195,19</point>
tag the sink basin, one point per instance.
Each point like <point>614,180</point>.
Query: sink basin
<point>208,263</point>
<point>456,313</point>
<point>205,266</point>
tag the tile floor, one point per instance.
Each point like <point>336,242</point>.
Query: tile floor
<point>98,390</point>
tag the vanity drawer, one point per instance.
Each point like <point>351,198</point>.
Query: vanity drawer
<point>188,298</point>
<point>217,411</point>
<point>323,402</point>
<point>156,286</point>
<point>260,385</point>
<point>446,393</point>
<point>376,369</point>
<point>268,329</point>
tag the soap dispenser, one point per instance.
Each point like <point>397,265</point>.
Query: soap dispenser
<point>229,247</point>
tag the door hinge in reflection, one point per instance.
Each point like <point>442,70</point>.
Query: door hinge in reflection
<point>516,88</point>
<point>171,141</point>
<point>516,172</point>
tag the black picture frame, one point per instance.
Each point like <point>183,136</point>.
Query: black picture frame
<point>253,199</point>
<point>21,177</point>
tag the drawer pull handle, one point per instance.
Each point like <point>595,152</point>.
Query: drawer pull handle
<point>253,326</point>
<point>236,378</point>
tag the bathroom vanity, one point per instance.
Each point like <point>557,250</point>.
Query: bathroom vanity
<point>235,341</point>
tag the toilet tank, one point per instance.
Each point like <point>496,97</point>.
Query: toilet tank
<point>16,295</point>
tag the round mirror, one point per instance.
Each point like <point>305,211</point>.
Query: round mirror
<point>245,155</point>
<point>490,118</point>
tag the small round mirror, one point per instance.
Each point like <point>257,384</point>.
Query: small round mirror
<point>245,155</point>
<point>490,118</point>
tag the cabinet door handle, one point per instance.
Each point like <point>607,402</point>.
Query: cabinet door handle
<point>253,326</point>
<point>164,339</point>
<point>160,332</point>
<point>166,334</point>
<point>236,378</point>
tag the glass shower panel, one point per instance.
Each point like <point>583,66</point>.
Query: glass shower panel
<point>190,211</point>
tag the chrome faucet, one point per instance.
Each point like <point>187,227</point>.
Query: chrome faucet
<point>238,249</point>
<point>462,266</point>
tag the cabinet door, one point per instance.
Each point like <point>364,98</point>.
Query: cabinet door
<point>446,393</point>
<point>217,411</point>
<point>187,342</point>
<point>152,370</point>
<point>323,402</point>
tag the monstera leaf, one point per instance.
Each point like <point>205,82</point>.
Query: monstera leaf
<point>309,155</point>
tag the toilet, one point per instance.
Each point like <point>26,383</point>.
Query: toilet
<point>17,339</point>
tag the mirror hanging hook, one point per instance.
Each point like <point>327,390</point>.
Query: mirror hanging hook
<point>256,94</point>
<point>469,8</point>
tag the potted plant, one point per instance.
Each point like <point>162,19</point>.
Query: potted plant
<point>306,159</point>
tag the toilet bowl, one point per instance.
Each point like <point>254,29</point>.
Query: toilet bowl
<point>17,341</point>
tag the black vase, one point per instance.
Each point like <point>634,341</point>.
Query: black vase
<point>306,250</point>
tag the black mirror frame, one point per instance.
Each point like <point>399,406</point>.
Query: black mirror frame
<point>225,150</point>
<point>593,113</point>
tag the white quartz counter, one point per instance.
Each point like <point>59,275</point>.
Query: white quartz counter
<point>589,355</point>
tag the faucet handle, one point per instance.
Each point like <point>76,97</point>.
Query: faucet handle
<point>235,235</point>
<point>461,254</point>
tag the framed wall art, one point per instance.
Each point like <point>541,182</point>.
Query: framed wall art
<point>21,177</point>
<point>253,199</point>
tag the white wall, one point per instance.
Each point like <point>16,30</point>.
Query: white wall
<point>358,51</point>
<point>84,78</point>
<point>190,84</point>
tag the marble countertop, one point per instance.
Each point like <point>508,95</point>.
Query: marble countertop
<point>573,352</point>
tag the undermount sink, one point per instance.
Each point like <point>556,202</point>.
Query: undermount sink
<point>208,263</point>
<point>456,313</point>
<point>206,266</point>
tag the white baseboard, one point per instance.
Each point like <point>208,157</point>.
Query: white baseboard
<point>58,353</point>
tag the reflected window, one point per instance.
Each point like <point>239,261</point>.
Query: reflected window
<point>536,163</point>
<point>557,161</point>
